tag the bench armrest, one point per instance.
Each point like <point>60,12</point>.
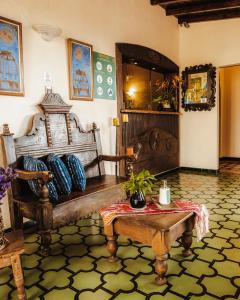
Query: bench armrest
<point>45,176</point>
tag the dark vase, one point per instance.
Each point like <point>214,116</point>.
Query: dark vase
<point>137,200</point>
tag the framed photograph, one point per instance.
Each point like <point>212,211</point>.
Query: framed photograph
<point>198,87</point>
<point>80,61</point>
<point>11,58</point>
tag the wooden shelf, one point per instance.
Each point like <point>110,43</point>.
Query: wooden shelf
<point>150,112</point>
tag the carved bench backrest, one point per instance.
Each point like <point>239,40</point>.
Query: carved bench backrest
<point>56,130</point>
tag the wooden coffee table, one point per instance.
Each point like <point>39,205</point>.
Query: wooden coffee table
<point>157,231</point>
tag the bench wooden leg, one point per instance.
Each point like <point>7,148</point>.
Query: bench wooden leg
<point>161,269</point>
<point>45,242</point>
<point>112,247</point>
<point>18,276</point>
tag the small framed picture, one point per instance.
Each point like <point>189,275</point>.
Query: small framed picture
<point>198,87</point>
<point>11,58</point>
<point>80,64</point>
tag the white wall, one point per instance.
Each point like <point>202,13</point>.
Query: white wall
<point>101,23</point>
<point>229,115</point>
<point>215,42</point>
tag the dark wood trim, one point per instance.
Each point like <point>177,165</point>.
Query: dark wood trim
<point>149,112</point>
<point>229,158</point>
<point>183,9</point>
<point>199,171</point>
<point>166,2</point>
<point>210,16</point>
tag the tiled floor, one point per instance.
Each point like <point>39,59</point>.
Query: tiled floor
<point>78,267</point>
<point>229,166</point>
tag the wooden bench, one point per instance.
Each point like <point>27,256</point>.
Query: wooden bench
<point>56,130</point>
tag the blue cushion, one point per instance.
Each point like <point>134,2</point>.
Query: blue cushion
<point>62,177</point>
<point>33,164</point>
<point>76,171</point>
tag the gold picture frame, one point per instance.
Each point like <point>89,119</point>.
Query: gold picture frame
<point>80,68</point>
<point>11,58</point>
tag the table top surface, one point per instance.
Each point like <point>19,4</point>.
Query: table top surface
<point>163,221</point>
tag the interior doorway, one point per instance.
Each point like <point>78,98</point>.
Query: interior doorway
<point>229,141</point>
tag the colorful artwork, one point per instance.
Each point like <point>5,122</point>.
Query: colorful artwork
<point>104,76</point>
<point>11,65</point>
<point>80,70</point>
<point>197,88</point>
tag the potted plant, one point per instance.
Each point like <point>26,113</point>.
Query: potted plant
<point>167,93</point>
<point>6,176</point>
<point>137,187</point>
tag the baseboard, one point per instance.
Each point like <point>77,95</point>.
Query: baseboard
<point>229,158</point>
<point>199,170</point>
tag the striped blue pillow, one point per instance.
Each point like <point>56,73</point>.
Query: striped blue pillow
<point>76,171</point>
<point>62,178</point>
<point>33,164</point>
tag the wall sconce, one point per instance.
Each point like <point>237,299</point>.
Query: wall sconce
<point>47,32</point>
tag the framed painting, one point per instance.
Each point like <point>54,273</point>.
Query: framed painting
<point>11,58</point>
<point>198,87</point>
<point>80,61</point>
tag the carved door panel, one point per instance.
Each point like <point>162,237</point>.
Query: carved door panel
<point>156,140</point>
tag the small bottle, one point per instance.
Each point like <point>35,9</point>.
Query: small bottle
<point>164,195</point>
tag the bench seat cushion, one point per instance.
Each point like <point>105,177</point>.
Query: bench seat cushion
<point>33,164</point>
<point>76,171</point>
<point>61,175</point>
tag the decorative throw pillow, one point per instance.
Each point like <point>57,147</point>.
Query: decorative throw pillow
<point>62,177</point>
<point>33,164</point>
<point>76,171</point>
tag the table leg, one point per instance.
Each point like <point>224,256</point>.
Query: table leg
<point>18,276</point>
<point>112,247</point>
<point>161,269</point>
<point>187,238</point>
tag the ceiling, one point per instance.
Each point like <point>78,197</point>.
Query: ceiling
<point>192,11</point>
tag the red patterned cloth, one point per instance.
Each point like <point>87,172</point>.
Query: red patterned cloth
<point>124,209</point>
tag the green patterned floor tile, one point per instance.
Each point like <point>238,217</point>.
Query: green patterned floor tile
<point>32,277</point>
<point>84,263</point>
<point>53,279</point>
<point>95,240</point>
<point>209,254</point>
<point>68,239</point>
<point>131,296</point>
<point>67,294</point>
<point>217,243</point>
<point>127,252</point>
<point>104,266</point>
<point>146,284</point>
<point>97,295</point>
<point>53,263</point>
<point>225,233</point>
<point>168,296</point>
<point>30,261</point>
<point>68,229</point>
<point>134,266</point>
<point>86,280</point>
<point>232,254</point>
<point>185,285</point>
<point>75,250</point>
<point>219,286</point>
<point>5,275</point>
<point>118,282</point>
<point>4,291</point>
<point>197,268</point>
<point>205,297</point>
<point>227,268</point>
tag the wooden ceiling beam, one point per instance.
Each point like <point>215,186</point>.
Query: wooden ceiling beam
<point>210,16</point>
<point>181,9</point>
<point>166,2</point>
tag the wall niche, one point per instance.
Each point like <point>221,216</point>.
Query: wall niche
<point>152,133</point>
